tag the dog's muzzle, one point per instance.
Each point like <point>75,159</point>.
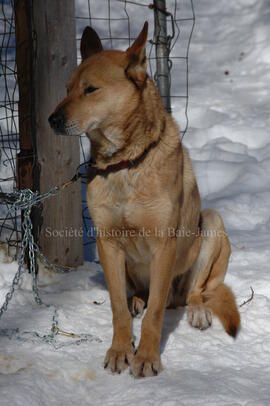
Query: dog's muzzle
<point>58,122</point>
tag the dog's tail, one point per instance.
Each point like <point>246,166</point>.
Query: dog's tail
<point>222,303</point>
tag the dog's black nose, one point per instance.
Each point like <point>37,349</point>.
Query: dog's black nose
<point>57,122</point>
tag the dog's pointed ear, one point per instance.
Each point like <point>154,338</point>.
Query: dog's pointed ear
<point>90,43</point>
<point>136,69</point>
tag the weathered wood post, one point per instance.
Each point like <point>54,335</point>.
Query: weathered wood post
<point>162,53</point>
<point>53,37</point>
<point>27,161</point>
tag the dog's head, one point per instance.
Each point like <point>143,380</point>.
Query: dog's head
<point>104,89</point>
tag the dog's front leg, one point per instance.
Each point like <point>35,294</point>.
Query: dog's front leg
<point>112,259</point>
<point>147,360</point>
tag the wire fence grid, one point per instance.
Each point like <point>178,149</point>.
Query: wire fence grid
<point>118,23</point>
<point>10,223</point>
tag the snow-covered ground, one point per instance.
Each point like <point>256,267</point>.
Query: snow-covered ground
<point>229,142</point>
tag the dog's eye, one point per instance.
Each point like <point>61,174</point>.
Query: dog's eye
<point>89,89</point>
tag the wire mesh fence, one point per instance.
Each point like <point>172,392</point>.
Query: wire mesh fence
<point>10,229</point>
<point>118,23</point>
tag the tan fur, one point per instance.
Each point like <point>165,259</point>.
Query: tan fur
<point>139,211</point>
<point>222,303</point>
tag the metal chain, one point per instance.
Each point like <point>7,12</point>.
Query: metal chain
<point>49,265</point>
<point>50,339</point>
<point>25,200</point>
<point>21,269</point>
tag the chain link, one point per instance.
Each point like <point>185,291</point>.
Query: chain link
<point>49,265</point>
<point>25,200</point>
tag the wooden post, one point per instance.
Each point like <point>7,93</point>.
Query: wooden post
<point>27,162</point>
<point>25,84</point>
<point>53,37</point>
<point>55,30</point>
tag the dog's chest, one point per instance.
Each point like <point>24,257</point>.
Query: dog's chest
<point>112,200</point>
<point>118,202</point>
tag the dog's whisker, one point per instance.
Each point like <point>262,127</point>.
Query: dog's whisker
<point>72,128</point>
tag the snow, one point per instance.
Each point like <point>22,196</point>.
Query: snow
<point>229,142</point>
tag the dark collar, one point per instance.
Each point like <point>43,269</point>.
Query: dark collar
<point>93,170</point>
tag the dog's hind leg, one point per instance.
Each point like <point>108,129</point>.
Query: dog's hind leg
<point>209,295</point>
<point>199,315</point>
<point>137,303</point>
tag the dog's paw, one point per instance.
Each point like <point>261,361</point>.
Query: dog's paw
<point>118,360</point>
<point>199,317</point>
<point>145,365</point>
<point>137,306</point>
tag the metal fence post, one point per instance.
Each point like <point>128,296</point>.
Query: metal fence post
<point>162,53</point>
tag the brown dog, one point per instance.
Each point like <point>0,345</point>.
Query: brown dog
<point>145,203</point>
